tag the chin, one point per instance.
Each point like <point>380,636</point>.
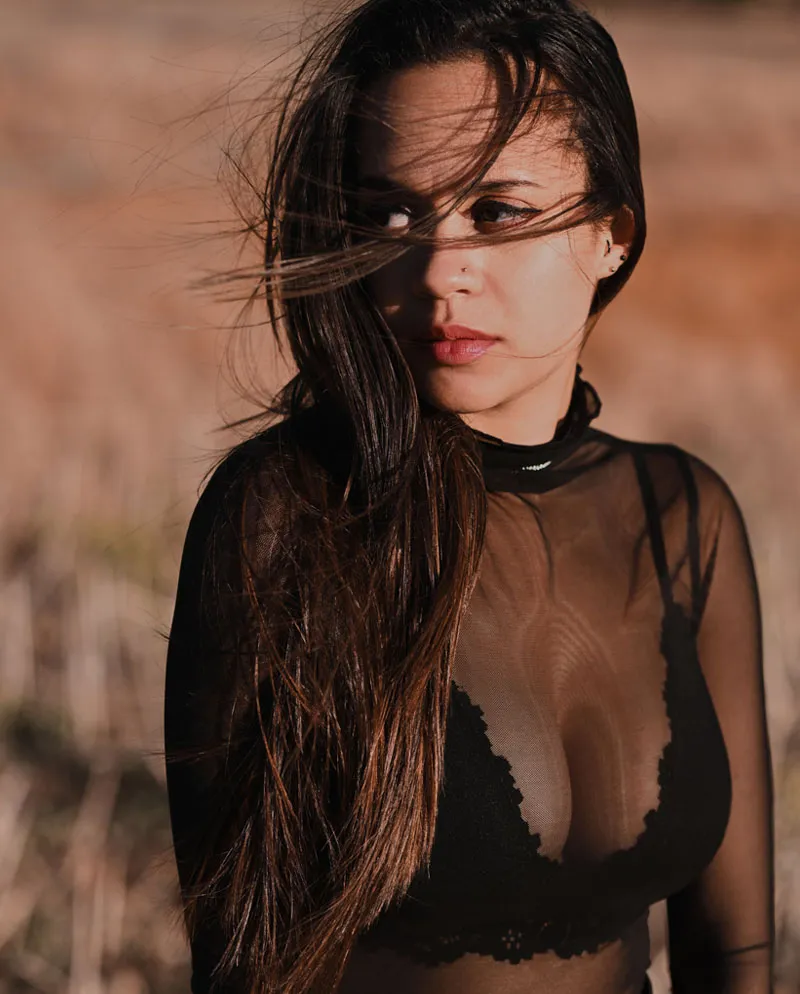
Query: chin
<point>459,398</point>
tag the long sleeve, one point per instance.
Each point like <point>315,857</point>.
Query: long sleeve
<point>722,925</point>
<point>209,708</point>
<point>193,677</point>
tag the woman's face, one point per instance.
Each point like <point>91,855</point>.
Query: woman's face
<point>532,295</point>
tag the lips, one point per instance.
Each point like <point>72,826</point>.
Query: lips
<point>458,351</point>
<point>455,344</point>
<point>453,332</point>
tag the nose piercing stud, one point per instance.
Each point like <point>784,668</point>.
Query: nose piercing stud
<point>463,269</point>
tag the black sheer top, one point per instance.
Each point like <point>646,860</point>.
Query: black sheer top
<point>606,743</point>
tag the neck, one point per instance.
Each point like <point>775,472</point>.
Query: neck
<point>530,418</point>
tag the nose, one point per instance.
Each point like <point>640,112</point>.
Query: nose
<point>445,269</point>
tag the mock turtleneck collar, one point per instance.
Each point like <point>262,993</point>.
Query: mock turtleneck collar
<point>509,465</point>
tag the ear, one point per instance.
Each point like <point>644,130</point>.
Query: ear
<point>616,237</point>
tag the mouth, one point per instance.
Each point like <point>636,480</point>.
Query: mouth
<point>456,332</point>
<point>459,346</point>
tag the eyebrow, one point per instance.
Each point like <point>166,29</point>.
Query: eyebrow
<point>497,185</point>
<point>382,184</point>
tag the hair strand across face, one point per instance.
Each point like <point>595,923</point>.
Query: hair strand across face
<point>356,540</point>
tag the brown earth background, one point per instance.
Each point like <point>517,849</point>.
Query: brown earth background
<point>112,118</point>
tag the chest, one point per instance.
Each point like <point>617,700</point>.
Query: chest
<point>585,773</point>
<point>583,703</point>
<point>571,693</point>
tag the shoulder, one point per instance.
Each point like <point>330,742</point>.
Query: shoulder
<point>667,461</point>
<point>682,482</point>
<point>273,465</point>
<point>243,469</point>
<point>263,485</point>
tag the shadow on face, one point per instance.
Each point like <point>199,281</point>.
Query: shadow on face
<point>422,136</point>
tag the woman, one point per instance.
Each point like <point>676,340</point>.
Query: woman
<point>459,685</point>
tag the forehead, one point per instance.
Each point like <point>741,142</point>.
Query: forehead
<point>425,125</point>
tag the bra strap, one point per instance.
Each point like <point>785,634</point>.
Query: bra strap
<point>699,592</point>
<point>654,529</point>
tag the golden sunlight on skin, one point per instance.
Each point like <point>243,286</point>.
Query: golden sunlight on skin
<point>534,294</point>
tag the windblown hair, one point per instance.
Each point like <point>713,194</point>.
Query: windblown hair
<point>336,587</point>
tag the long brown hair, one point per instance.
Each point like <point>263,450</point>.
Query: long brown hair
<point>347,544</point>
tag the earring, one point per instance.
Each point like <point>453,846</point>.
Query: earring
<point>623,257</point>
<point>613,269</point>
<point>608,246</point>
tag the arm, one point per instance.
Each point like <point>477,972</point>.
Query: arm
<point>205,692</point>
<point>190,682</point>
<point>722,925</point>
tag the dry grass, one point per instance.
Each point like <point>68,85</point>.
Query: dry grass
<point>109,390</point>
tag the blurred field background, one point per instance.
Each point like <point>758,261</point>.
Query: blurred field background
<point>112,383</point>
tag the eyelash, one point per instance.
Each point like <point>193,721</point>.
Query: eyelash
<point>516,212</point>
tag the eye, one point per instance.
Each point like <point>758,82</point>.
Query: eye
<point>396,217</point>
<point>498,212</point>
<point>390,217</point>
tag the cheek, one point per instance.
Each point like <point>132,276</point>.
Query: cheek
<point>550,278</point>
<point>388,286</point>
<point>556,272</point>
